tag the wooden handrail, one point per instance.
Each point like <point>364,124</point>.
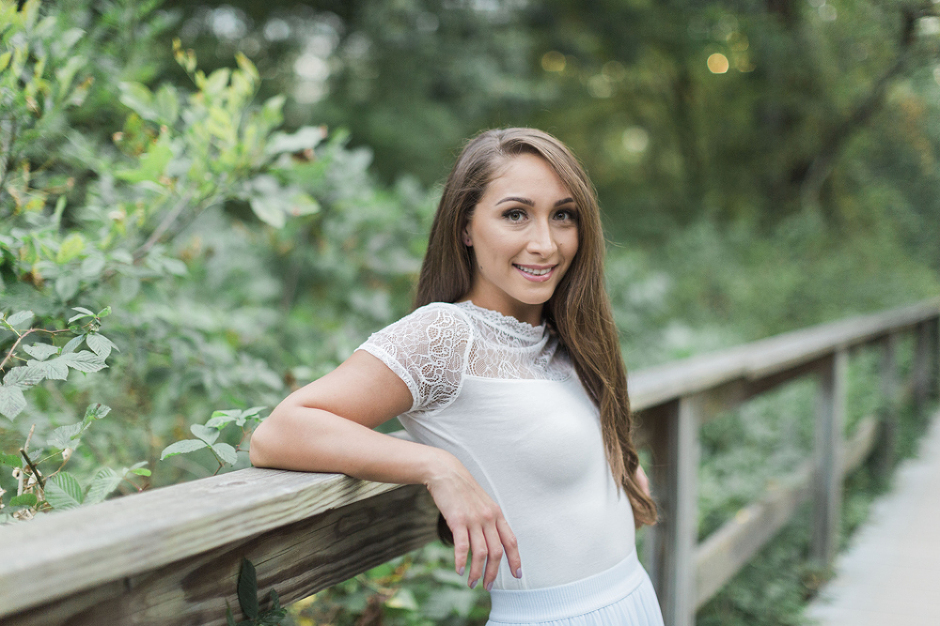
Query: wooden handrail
<point>171,556</point>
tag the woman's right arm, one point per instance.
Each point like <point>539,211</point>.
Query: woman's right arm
<point>327,426</point>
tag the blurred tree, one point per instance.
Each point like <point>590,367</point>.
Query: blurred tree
<point>680,110</point>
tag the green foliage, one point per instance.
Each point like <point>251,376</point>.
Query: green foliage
<point>206,436</point>
<point>248,601</point>
<point>419,589</point>
<point>179,206</point>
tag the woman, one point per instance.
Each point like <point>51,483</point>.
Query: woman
<point>509,375</point>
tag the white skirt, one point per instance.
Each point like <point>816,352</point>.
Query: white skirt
<point>620,596</point>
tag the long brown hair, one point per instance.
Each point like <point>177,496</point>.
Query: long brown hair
<point>579,310</point>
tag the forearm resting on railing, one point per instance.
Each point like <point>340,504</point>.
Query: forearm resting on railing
<point>314,440</point>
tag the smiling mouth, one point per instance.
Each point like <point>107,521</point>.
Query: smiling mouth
<point>532,271</point>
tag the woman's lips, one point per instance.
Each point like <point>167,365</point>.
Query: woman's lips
<point>535,273</point>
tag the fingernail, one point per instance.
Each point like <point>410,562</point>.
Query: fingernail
<point>489,586</point>
<point>474,583</point>
<point>518,572</point>
<point>461,570</point>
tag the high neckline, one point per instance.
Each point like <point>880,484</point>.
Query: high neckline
<point>504,323</point>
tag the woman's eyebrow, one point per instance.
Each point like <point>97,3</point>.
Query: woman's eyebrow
<point>528,202</point>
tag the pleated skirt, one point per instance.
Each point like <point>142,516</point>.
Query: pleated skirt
<point>620,596</point>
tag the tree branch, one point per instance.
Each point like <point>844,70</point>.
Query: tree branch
<point>812,180</point>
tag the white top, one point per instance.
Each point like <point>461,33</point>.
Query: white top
<point>503,397</point>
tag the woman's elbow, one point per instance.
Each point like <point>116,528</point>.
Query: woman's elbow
<point>262,447</point>
<point>257,446</point>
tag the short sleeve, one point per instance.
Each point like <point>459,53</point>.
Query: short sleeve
<point>428,349</point>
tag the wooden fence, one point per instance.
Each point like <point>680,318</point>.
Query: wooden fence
<point>171,556</point>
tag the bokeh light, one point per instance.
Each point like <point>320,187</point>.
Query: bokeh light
<point>718,63</point>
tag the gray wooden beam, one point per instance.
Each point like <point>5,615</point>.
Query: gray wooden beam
<point>56,555</point>
<point>890,401</point>
<point>297,560</point>
<point>827,457</point>
<point>676,451</point>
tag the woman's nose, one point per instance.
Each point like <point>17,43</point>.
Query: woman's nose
<point>542,240</point>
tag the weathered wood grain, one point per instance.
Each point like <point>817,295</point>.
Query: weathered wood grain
<point>55,555</point>
<point>827,455</point>
<point>677,444</point>
<point>296,559</point>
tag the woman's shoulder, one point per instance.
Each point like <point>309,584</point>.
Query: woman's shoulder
<point>429,326</point>
<point>436,315</point>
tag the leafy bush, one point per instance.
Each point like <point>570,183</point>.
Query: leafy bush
<point>176,209</point>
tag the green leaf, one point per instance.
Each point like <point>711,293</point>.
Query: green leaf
<point>82,309</point>
<point>105,312</point>
<point>305,137</point>
<point>229,618</point>
<point>403,599</point>
<point>53,369</point>
<point>20,318</point>
<point>12,401</point>
<point>12,460</point>
<point>138,98</point>
<point>96,411</point>
<point>217,81</point>
<point>22,377</point>
<point>272,617</point>
<point>41,351</point>
<point>26,499</point>
<point>152,163</point>
<point>167,104</point>
<point>73,344</point>
<point>63,491</point>
<point>248,590</point>
<point>139,471</point>
<point>225,452</point>
<point>268,211</point>
<point>221,419</point>
<point>84,361</point>
<point>104,483</point>
<point>65,436</point>
<point>71,247</point>
<point>246,65</point>
<point>209,435</point>
<point>182,447</point>
<point>66,286</point>
<point>100,344</point>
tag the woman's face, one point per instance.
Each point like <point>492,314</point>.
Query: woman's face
<point>524,236</point>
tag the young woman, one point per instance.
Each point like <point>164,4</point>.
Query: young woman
<point>509,375</point>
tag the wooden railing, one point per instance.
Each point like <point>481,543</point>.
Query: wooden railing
<point>171,556</point>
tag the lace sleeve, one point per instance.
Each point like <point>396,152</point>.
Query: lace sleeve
<point>428,350</point>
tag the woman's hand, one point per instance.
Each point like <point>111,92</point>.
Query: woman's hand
<point>643,482</point>
<point>476,522</point>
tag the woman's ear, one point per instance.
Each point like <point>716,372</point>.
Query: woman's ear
<point>466,238</point>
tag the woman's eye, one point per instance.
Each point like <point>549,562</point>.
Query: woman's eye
<point>566,215</point>
<point>514,215</point>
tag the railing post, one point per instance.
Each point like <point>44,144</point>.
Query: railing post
<point>675,443</point>
<point>921,370</point>
<point>933,348</point>
<point>827,482</point>
<point>889,415</point>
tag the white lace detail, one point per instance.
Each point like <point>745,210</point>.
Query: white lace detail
<point>434,347</point>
